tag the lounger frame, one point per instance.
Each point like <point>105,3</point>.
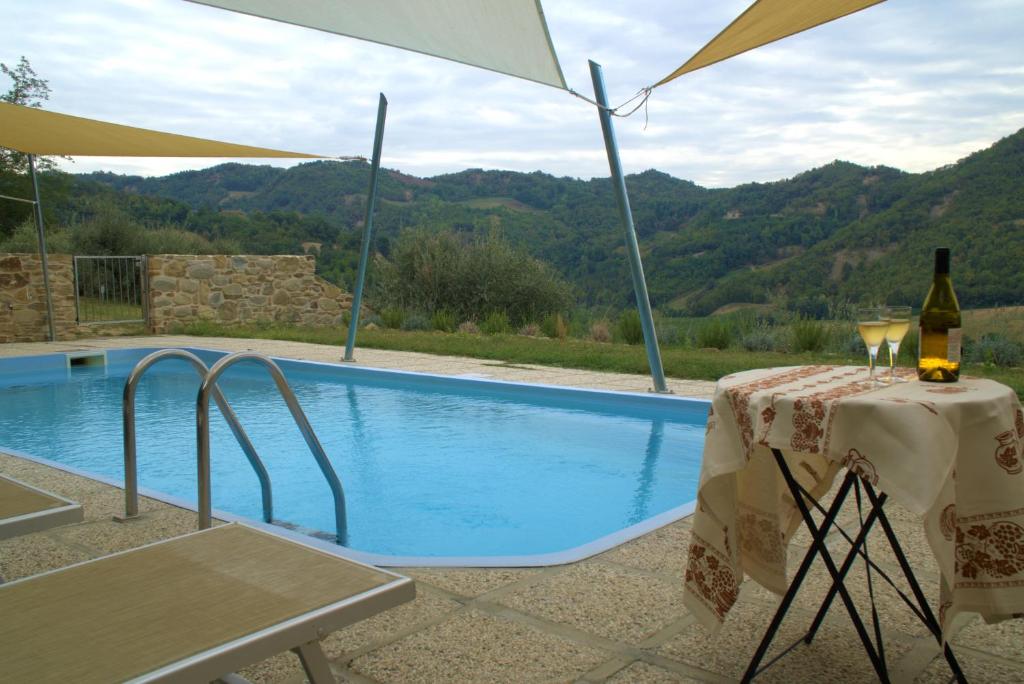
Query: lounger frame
<point>300,634</point>
<point>37,521</point>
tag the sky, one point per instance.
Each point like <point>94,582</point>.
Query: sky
<point>912,84</point>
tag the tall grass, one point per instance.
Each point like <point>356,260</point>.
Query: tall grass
<point>444,320</point>
<point>630,329</point>
<point>708,348</point>
<point>714,334</point>
<point>496,323</point>
<point>809,335</point>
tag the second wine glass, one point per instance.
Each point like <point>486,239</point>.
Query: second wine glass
<point>899,324</point>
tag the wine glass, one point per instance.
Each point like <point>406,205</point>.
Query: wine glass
<point>872,327</point>
<point>899,324</point>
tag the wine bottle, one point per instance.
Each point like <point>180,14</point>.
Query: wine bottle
<point>938,357</point>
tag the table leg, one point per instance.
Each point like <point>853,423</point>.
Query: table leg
<point>908,573</point>
<point>847,564</point>
<point>818,537</point>
<point>794,585</point>
<point>818,533</point>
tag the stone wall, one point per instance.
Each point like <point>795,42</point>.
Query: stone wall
<point>240,289</point>
<point>23,298</point>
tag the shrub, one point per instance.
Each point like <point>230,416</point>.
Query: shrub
<point>530,330</point>
<point>469,328</point>
<point>25,238</point>
<point>996,350</point>
<point>759,339</point>
<point>668,334</point>
<point>808,335</point>
<point>416,321</point>
<point>714,334</point>
<point>169,240</point>
<point>371,319</point>
<point>496,323</point>
<point>853,344</point>
<point>108,230</point>
<point>600,331</point>
<point>578,326</point>
<point>392,317</point>
<point>444,320</point>
<point>554,326</point>
<point>468,275</point>
<point>629,327</point>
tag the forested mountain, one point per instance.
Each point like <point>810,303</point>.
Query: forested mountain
<point>841,232</point>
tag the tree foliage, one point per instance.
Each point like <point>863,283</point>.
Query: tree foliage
<point>27,90</point>
<point>477,278</point>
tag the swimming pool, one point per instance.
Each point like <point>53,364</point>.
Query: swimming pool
<point>436,470</point>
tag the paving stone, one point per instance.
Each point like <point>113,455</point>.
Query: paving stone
<point>835,655</point>
<point>603,600</point>
<point>469,582</point>
<point>1005,638</point>
<point>99,500</point>
<point>663,551</point>
<point>387,625</point>
<point>640,672</point>
<point>31,554</point>
<point>280,668</point>
<point>894,614</point>
<point>975,668</point>
<point>911,537</point>
<point>107,536</point>
<point>473,647</point>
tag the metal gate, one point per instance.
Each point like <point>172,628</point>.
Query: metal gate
<point>110,289</point>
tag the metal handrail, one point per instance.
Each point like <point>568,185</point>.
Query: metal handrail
<point>131,480</point>
<point>209,386</point>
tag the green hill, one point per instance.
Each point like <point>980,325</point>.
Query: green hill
<point>841,232</point>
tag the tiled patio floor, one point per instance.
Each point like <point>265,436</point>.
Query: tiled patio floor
<point>616,617</point>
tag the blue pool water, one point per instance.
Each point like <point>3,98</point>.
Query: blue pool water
<point>431,466</point>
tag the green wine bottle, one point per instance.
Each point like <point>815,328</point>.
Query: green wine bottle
<point>938,357</point>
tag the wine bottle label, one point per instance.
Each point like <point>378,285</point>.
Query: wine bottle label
<point>953,343</point>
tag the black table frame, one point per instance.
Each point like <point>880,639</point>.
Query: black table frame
<point>874,650</point>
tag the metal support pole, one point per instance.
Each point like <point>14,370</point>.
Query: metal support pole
<point>42,248</point>
<point>636,267</point>
<point>364,254</point>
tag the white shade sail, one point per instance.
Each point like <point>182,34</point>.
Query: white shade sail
<point>507,36</point>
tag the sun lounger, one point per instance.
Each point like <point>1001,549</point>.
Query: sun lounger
<point>25,509</point>
<point>188,609</point>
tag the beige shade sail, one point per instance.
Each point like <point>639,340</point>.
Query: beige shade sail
<point>36,131</point>
<point>764,22</point>
<point>507,36</point>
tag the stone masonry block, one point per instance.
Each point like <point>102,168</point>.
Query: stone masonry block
<point>163,284</point>
<point>199,270</point>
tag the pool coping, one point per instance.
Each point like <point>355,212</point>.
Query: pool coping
<point>570,555</point>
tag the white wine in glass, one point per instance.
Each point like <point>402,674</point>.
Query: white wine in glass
<point>872,328</point>
<point>899,324</point>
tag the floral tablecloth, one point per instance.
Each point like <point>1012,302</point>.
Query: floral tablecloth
<point>951,453</point>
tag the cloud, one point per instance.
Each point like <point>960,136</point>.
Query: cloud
<point>913,84</point>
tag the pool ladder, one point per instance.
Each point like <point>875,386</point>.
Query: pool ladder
<point>206,389</point>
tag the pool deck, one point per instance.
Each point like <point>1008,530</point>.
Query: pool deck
<point>615,617</point>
